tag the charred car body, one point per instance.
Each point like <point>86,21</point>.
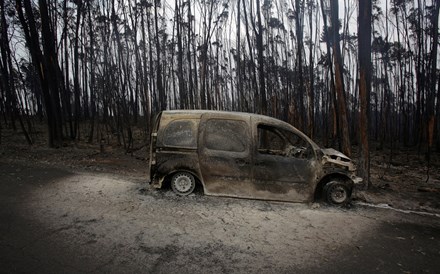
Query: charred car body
<point>245,155</point>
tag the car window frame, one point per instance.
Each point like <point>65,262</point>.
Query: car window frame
<point>194,130</point>
<point>277,128</point>
<point>218,151</point>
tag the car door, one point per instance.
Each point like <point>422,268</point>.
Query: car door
<point>225,155</point>
<point>284,164</point>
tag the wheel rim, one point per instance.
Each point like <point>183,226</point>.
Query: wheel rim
<point>183,183</point>
<point>338,194</point>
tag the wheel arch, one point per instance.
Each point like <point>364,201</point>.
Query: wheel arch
<point>328,178</point>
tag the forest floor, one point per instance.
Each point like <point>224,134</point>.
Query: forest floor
<point>78,209</point>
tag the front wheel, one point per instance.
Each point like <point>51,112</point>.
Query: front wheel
<point>183,183</point>
<point>337,193</point>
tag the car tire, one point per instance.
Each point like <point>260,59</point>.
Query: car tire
<point>183,183</point>
<point>337,193</point>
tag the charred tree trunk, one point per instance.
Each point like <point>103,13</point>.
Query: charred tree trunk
<point>76,89</point>
<point>260,55</point>
<point>7,75</point>
<point>334,109</point>
<point>182,86</point>
<point>311,90</point>
<point>53,70</point>
<point>238,60</point>
<point>46,65</point>
<point>339,81</point>
<point>191,89</point>
<point>145,82</point>
<point>251,61</point>
<point>66,94</point>
<point>92,75</point>
<point>432,82</point>
<point>299,63</point>
<point>364,42</point>
<point>159,82</point>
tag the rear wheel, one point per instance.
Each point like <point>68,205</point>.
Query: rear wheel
<point>337,193</point>
<point>183,183</point>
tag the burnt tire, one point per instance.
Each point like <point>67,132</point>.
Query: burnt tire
<point>337,193</point>
<point>183,183</point>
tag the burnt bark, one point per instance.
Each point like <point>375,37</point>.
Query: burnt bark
<point>339,81</point>
<point>8,85</point>
<point>365,67</point>
<point>45,64</point>
<point>76,87</point>
<point>299,63</point>
<point>260,56</point>
<point>159,81</point>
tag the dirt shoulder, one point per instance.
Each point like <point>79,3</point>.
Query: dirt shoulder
<point>64,220</point>
<point>81,157</point>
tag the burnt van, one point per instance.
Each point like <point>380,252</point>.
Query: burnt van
<point>245,155</point>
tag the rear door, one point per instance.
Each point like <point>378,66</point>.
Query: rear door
<point>225,155</point>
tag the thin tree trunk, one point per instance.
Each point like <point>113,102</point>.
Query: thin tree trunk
<point>339,81</point>
<point>66,94</point>
<point>311,91</point>
<point>92,75</point>
<point>299,64</point>
<point>260,56</point>
<point>146,90</point>
<point>76,90</point>
<point>160,88</point>
<point>238,60</point>
<point>364,42</point>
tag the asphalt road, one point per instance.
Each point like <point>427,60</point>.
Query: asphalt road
<point>63,221</point>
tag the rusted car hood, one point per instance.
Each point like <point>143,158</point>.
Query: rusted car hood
<point>336,157</point>
<point>333,153</point>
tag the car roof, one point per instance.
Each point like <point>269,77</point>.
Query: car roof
<point>231,114</point>
<point>199,113</point>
